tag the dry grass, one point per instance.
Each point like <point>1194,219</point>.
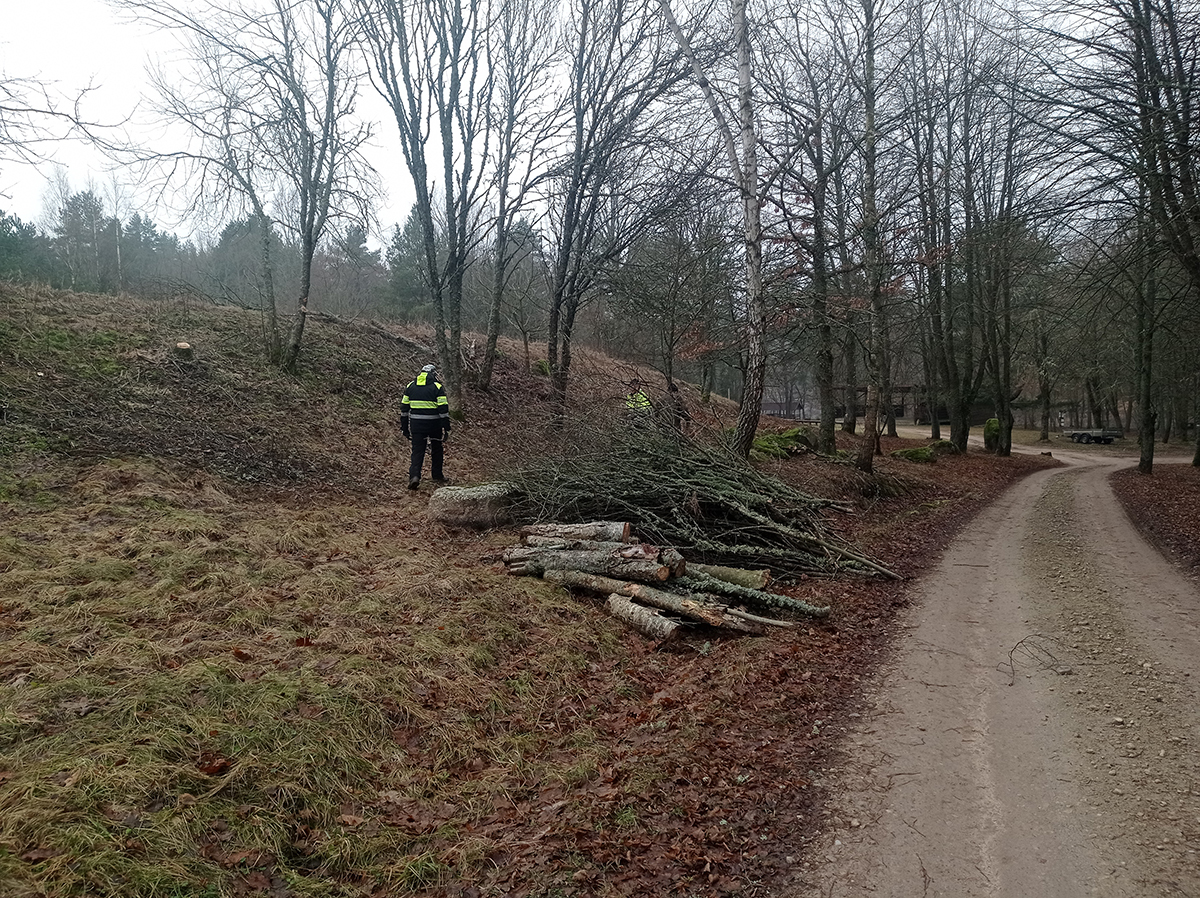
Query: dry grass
<point>195,685</point>
<point>236,659</point>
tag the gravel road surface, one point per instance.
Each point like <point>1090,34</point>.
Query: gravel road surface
<point>1037,732</point>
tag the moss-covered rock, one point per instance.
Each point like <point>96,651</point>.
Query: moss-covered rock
<point>784,444</point>
<point>991,434</point>
<point>943,447</point>
<point>920,454</point>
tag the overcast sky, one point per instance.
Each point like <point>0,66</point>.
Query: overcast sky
<point>74,43</point>
<point>70,43</point>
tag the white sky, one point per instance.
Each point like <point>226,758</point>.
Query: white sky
<point>70,43</point>
<point>73,43</point>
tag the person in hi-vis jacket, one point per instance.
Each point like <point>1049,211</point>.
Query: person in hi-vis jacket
<point>425,420</point>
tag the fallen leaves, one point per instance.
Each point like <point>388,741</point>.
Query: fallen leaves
<point>1165,507</point>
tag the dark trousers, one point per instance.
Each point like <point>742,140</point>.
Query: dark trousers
<point>419,442</point>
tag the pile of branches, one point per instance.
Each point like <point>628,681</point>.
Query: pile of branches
<point>652,588</point>
<point>703,500</point>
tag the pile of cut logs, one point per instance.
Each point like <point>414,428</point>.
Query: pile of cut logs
<point>651,588</point>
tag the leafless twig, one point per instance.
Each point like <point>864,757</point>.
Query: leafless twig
<point>1034,648</point>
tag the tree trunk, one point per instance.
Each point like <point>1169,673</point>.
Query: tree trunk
<point>1144,358</point>
<point>296,336</point>
<point>850,360</point>
<point>826,435</point>
<point>756,311</point>
<point>872,249</point>
<point>1044,386</point>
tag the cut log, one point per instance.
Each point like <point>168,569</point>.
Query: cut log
<point>736,575</point>
<point>674,561</point>
<point>641,569</point>
<point>604,531</point>
<point>183,351</point>
<point>644,620</point>
<point>685,606</point>
<point>625,550</point>
<point>701,608</point>
<point>485,505</point>
<point>757,597</point>
<point>668,555</point>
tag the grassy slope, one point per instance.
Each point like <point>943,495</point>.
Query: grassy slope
<point>236,659</point>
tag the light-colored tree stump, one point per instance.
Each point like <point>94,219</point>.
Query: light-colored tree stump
<point>480,506</point>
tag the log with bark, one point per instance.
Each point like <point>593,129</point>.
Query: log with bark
<point>572,557</point>
<point>484,505</point>
<point>629,549</point>
<point>758,597</point>
<point>740,576</point>
<point>565,542</point>
<point>600,531</point>
<point>542,552</point>
<point>536,559</point>
<point>702,609</point>
<point>646,620</point>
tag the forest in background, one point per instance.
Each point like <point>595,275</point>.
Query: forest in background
<point>837,211</point>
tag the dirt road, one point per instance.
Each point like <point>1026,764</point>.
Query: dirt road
<point>1037,733</point>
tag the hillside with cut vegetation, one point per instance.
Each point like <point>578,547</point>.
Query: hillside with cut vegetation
<point>237,657</point>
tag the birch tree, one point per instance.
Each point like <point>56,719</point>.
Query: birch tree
<point>741,152</point>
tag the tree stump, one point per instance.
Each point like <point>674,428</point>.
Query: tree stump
<point>480,506</point>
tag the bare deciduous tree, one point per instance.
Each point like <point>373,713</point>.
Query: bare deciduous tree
<point>432,62</point>
<point>34,118</point>
<point>811,90</point>
<point>611,178</point>
<point>522,116</point>
<point>269,123</point>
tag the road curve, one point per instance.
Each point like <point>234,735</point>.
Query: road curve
<point>1037,732</point>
